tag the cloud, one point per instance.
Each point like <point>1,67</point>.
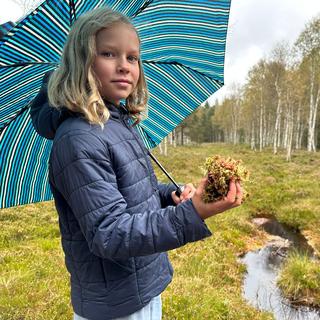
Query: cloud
<point>10,11</point>
<point>255,27</point>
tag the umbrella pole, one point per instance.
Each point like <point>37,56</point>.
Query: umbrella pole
<point>179,189</point>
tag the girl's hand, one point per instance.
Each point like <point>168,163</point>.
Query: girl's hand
<point>206,210</point>
<point>187,193</point>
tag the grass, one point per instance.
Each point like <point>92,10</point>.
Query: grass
<point>299,280</point>
<point>33,279</point>
<point>207,284</point>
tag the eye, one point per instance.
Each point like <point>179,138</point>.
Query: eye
<point>107,54</point>
<point>133,58</point>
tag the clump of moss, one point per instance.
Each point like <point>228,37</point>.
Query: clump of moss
<point>219,172</point>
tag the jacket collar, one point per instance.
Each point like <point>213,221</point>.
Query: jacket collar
<point>117,112</point>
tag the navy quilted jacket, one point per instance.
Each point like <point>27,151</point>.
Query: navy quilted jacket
<point>116,220</point>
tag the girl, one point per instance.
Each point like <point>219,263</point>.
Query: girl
<point>116,220</point>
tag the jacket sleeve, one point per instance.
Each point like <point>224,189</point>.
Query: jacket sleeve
<point>84,176</point>
<point>165,191</point>
<point>45,118</point>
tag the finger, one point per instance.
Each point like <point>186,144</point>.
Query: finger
<point>239,194</point>
<point>231,195</point>
<point>175,199</point>
<point>188,191</point>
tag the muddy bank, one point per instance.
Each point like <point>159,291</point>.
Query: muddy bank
<point>294,238</point>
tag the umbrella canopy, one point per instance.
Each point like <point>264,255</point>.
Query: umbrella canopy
<point>183,46</point>
<point>4,28</point>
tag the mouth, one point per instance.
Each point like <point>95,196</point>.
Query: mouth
<point>121,81</point>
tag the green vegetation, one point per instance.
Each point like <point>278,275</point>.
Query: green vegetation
<point>300,279</point>
<point>34,283</point>
<point>208,277</point>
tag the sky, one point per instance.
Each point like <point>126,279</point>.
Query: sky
<point>255,27</point>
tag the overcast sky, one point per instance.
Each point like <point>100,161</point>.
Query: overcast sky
<point>255,26</point>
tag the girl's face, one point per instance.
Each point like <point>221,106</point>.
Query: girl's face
<point>117,62</point>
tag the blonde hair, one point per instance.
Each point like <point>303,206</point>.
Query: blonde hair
<point>74,85</point>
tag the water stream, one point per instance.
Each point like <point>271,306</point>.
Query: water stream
<point>260,287</point>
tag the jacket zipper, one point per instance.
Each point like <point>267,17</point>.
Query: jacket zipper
<point>141,147</point>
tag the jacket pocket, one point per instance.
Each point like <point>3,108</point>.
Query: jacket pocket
<point>116,270</point>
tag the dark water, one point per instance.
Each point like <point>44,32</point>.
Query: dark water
<point>298,241</point>
<point>260,287</point>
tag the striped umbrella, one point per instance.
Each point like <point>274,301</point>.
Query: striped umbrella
<point>183,46</point>
<point>4,28</point>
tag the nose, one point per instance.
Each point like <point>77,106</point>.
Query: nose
<point>123,65</point>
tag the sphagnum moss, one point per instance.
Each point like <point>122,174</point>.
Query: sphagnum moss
<point>219,172</point>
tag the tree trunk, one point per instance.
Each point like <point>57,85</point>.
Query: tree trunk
<point>276,129</point>
<point>289,141</point>
<point>265,131</point>
<point>269,132</point>
<point>253,140</point>
<point>261,122</point>
<point>171,138</point>
<point>181,137</point>
<point>235,114</point>
<point>276,137</point>
<point>314,120</point>
<point>289,128</point>
<point>165,142</point>
<point>286,130</point>
<point>160,148</point>
<point>313,106</point>
<point>298,127</point>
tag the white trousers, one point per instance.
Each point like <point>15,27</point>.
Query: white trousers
<point>152,311</point>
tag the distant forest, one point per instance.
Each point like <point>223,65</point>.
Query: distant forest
<point>276,108</point>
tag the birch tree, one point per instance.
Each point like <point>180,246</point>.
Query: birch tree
<point>294,110</point>
<point>308,44</point>
<point>255,97</point>
<point>277,68</point>
<point>233,104</point>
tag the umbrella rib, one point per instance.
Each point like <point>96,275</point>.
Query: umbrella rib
<point>182,65</point>
<point>72,12</point>
<point>145,5</point>
<point>14,117</point>
<point>146,133</point>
